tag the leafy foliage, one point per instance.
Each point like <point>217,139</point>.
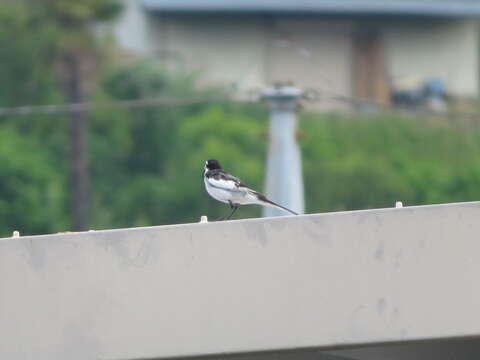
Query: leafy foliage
<point>31,190</point>
<point>23,75</point>
<point>356,162</point>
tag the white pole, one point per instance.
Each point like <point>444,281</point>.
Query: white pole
<point>284,181</point>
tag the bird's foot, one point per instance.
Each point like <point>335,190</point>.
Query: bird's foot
<point>227,217</point>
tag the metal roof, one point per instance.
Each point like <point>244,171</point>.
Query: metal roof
<point>440,8</point>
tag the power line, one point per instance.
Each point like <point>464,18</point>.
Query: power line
<point>126,104</point>
<point>312,95</point>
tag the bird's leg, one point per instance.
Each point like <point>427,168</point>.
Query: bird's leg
<point>235,207</point>
<point>226,217</point>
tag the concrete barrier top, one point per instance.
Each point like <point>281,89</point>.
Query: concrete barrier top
<point>321,281</point>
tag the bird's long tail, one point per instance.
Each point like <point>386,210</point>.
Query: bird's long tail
<point>267,202</point>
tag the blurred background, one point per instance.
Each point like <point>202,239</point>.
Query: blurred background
<point>109,109</point>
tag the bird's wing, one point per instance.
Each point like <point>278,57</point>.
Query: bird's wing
<point>229,177</point>
<point>222,180</point>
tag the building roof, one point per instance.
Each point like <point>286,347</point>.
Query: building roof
<point>435,8</point>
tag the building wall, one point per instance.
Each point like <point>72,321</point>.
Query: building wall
<point>447,50</point>
<point>133,31</point>
<point>222,50</point>
<point>252,51</point>
<point>317,54</point>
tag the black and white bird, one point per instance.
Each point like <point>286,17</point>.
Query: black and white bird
<point>230,190</point>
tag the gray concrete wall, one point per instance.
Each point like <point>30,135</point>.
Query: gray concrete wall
<point>314,281</point>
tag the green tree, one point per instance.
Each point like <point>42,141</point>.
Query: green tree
<point>24,77</point>
<point>31,191</point>
<point>78,55</point>
<point>48,51</point>
<point>358,162</point>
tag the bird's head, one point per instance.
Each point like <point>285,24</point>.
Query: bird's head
<point>212,165</point>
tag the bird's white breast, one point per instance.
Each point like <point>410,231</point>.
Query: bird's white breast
<point>216,192</point>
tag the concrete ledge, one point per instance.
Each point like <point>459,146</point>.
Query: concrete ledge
<point>320,281</point>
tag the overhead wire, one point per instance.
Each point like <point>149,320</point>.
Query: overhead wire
<point>311,95</point>
<point>88,106</point>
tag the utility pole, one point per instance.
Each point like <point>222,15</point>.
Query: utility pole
<point>74,84</point>
<point>284,181</point>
